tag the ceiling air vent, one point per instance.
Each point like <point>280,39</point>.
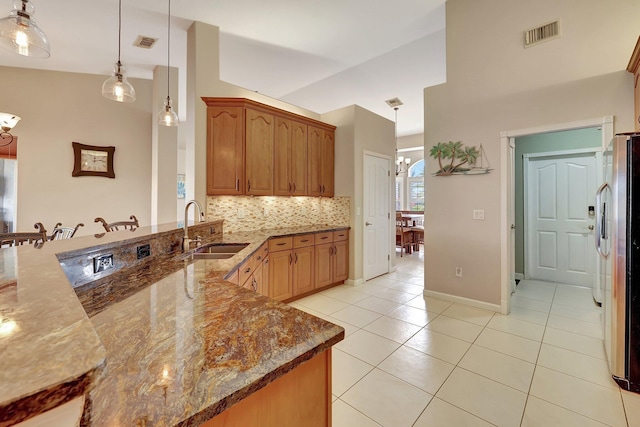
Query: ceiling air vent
<point>145,42</point>
<point>393,102</point>
<point>542,33</point>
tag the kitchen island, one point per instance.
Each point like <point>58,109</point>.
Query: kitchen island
<point>180,350</point>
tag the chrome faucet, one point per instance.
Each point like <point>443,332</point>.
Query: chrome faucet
<point>186,241</point>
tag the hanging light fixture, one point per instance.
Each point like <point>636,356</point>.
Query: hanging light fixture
<point>402,163</point>
<point>116,87</point>
<point>167,116</point>
<point>7,122</point>
<point>20,34</point>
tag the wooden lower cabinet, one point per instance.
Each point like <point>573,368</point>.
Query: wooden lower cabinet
<point>323,258</point>
<point>303,280</point>
<point>340,261</point>
<point>301,397</point>
<point>281,275</point>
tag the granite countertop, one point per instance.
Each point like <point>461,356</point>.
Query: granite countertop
<point>176,352</point>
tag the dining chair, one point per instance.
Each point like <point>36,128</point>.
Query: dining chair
<point>404,235</point>
<point>37,238</point>
<point>115,226</point>
<point>60,232</point>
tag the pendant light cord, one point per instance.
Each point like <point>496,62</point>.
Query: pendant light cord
<point>119,28</point>
<point>168,45</point>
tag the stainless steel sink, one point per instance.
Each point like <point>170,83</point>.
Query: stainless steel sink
<point>218,250</point>
<point>209,255</point>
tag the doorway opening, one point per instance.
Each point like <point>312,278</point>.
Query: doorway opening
<point>8,191</point>
<point>511,221</point>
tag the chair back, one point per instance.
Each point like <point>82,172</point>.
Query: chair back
<point>116,226</point>
<point>60,232</point>
<point>20,238</point>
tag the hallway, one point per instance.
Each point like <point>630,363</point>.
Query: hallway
<point>408,360</point>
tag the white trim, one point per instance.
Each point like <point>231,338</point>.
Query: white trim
<point>356,282</point>
<point>505,246</point>
<point>519,276</point>
<point>590,150</point>
<point>409,149</point>
<point>462,300</point>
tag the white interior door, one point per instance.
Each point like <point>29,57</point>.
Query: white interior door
<point>376,215</point>
<point>560,236</point>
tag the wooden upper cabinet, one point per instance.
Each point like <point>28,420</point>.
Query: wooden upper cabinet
<point>259,153</point>
<point>321,148</point>
<point>256,149</point>
<point>634,68</point>
<point>298,159</point>
<point>225,143</point>
<point>282,182</point>
<point>328,166</point>
<point>314,164</point>
<point>290,158</point>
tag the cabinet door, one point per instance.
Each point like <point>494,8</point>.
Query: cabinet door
<point>258,278</point>
<point>280,275</point>
<point>259,153</point>
<point>303,279</point>
<point>314,161</point>
<point>225,161</point>
<point>298,159</point>
<point>327,172</point>
<point>340,261</point>
<point>282,164</point>
<point>263,287</point>
<point>323,265</point>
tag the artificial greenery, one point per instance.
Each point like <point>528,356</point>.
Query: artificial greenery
<point>457,155</point>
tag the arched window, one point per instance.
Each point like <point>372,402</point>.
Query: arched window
<point>415,183</point>
<point>417,169</point>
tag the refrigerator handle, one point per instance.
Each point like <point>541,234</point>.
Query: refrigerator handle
<point>600,220</point>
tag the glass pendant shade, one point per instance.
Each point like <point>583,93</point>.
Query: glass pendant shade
<point>168,117</point>
<point>117,88</point>
<point>8,121</point>
<point>20,34</point>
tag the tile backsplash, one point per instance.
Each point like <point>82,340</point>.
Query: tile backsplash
<point>245,213</point>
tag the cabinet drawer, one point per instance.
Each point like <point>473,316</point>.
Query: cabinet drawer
<point>280,244</point>
<point>324,237</point>
<point>303,241</point>
<point>260,254</point>
<point>245,271</point>
<point>341,235</point>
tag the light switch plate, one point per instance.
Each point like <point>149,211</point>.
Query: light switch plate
<point>478,214</point>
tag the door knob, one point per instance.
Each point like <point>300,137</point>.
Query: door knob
<point>368,224</point>
<point>513,226</point>
<point>591,227</point>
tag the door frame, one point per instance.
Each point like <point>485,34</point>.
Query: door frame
<point>596,151</point>
<point>507,200</point>
<point>391,205</point>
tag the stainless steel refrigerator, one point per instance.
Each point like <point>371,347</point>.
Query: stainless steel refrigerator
<point>618,243</point>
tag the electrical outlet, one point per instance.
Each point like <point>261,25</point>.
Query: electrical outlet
<point>240,213</point>
<point>478,214</point>
<point>458,271</point>
<point>102,263</point>
<point>143,251</point>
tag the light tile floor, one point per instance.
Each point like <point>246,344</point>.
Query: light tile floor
<point>408,360</point>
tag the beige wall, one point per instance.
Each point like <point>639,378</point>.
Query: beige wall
<point>58,108</point>
<point>495,85</point>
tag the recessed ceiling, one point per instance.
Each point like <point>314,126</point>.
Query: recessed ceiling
<point>318,55</point>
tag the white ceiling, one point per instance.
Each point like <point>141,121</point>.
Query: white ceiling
<point>319,55</point>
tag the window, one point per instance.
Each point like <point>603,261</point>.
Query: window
<point>399,194</point>
<point>415,183</point>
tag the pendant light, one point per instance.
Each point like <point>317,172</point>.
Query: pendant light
<point>7,122</point>
<point>20,34</point>
<point>116,87</point>
<point>168,117</point>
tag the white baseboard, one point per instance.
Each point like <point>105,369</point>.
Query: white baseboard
<point>519,276</point>
<point>356,282</point>
<point>462,300</point>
